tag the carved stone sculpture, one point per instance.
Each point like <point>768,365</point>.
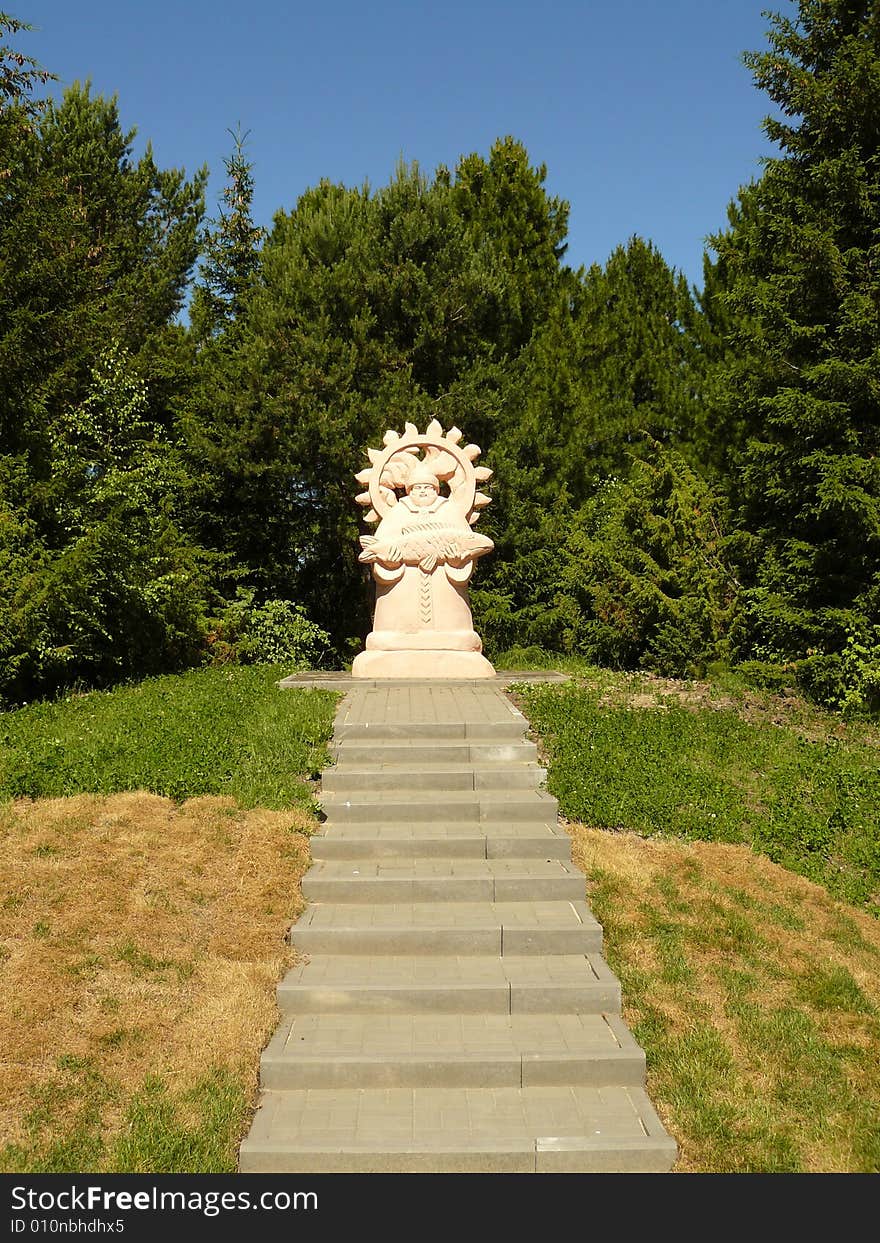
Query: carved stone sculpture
<point>422,491</point>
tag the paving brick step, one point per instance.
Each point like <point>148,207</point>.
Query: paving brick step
<point>416,753</point>
<point>442,731</point>
<point>443,880</point>
<point>434,805</point>
<point>469,842</point>
<point>458,1130</point>
<point>354,778</point>
<point>448,928</point>
<point>416,827</point>
<point>450,1050</point>
<point>465,984</point>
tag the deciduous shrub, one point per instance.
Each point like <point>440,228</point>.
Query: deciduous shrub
<point>275,632</point>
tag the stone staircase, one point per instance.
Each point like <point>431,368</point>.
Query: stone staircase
<point>453,1011</point>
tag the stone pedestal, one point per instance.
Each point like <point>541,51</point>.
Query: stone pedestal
<point>442,663</point>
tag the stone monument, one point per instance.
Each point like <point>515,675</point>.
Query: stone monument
<point>422,491</point>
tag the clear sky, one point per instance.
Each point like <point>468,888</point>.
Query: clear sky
<point>642,110</point>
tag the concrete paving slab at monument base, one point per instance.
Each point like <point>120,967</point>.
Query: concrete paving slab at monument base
<point>451,1010</point>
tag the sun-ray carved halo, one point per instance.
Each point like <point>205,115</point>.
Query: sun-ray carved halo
<point>443,453</point>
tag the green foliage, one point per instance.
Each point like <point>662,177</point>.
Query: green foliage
<point>209,731</point>
<point>848,681</point>
<point>19,74</point>
<point>647,575</point>
<point>121,592</point>
<point>230,248</point>
<point>95,251</point>
<point>799,397</point>
<point>368,309</point>
<point>767,675</point>
<point>638,352</point>
<point>681,480</point>
<point>276,632</point>
<point>93,247</point>
<point>613,373</point>
<point>105,609</point>
<point>861,672</point>
<point>521,603</point>
<point>809,804</point>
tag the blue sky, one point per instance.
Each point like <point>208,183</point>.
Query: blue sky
<point>642,110</point>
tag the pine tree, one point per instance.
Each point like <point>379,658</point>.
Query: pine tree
<point>93,247</point>
<point>614,367</point>
<point>369,308</point>
<point>638,352</point>
<point>521,229</point>
<point>803,267</point>
<point>647,576</point>
<point>727,356</point>
<point>230,247</point>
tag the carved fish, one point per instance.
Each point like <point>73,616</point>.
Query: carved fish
<point>426,545</point>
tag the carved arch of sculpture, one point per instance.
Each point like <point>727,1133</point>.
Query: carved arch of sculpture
<point>451,463</point>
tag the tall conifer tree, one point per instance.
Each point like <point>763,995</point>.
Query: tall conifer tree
<point>230,250</point>
<point>803,267</point>
<point>96,579</point>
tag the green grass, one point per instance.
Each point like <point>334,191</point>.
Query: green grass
<point>536,658</point>
<point>194,1131</point>
<point>811,804</point>
<point>210,731</point>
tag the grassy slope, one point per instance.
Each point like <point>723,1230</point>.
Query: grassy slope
<point>756,997</point>
<point>141,935</point>
<point>209,731</point>
<point>754,991</point>
<point>798,785</point>
<point>141,942</point>
<point>141,938</point>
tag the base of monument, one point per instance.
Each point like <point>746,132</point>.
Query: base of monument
<point>421,664</point>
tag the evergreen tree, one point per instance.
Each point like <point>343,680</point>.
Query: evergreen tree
<point>20,75</point>
<point>522,231</point>
<point>615,368</point>
<point>803,267</point>
<point>638,352</point>
<point>116,589</point>
<point>95,252</point>
<point>93,247</point>
<point>647,577</point>
<point>369,309</point>
<point>230,248</point>
<point>727,356</point>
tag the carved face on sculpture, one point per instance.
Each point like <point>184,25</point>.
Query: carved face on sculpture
<point>423,494</point>
<point>422,486</point>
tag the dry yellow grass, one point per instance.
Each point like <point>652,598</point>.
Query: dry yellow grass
<point>765,967</point>
<point>138,938</point>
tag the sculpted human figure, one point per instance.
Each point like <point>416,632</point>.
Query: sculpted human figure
<point>422,556</point>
